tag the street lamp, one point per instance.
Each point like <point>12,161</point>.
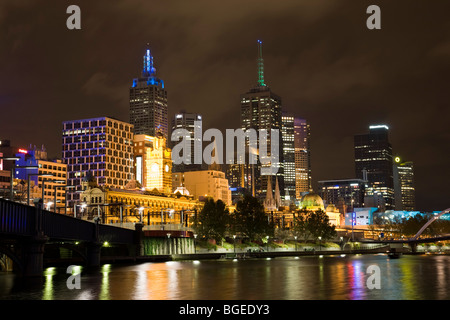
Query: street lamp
<point>295,237</point>
<point>65,195</point>
<point>49,204</point>
<point>195,244</point>
<point>162,215</point>
<point>43,188</point>
<point>320,243</point>
<point>234,243</point>
<point>267,238</point>
<point>28,183</point>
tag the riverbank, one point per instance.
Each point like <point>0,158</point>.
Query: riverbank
<point>207,253</point>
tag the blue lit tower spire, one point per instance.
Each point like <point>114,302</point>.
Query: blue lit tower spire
<point>260,66</point>
<point>148,101</point>
<point>148,69</point>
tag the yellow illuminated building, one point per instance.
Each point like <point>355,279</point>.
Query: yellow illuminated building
<point>153,163</point>
<point>112,204</point>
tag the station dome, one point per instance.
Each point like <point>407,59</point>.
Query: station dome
<point>312,201</point>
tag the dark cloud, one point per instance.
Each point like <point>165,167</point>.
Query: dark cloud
<point>319,57</point>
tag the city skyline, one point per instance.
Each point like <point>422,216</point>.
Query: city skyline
<point>394,76</point>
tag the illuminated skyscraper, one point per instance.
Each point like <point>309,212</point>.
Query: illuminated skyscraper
<point>373,157</point>
<point>188,121</point>
<point>148,101</point>
<point>302,157</point>
<point>288,137</point>
<point>405,193</point>
<point>261,109</point>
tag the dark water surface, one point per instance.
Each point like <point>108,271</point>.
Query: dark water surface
<point>289,278</point>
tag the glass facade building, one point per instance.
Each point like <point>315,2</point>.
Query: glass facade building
<point>374,162</point>
<point>102,146</point>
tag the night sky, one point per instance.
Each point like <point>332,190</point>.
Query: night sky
<point>319,57</point>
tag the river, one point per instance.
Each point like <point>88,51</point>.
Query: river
<point>410,277</point>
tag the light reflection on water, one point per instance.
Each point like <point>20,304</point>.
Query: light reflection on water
<point>289,278</point>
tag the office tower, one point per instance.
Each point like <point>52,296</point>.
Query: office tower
<point>404,185</point>
<point>102,146</point>
<point>345,194</point>
<point>302,157</point>
<point>153,161</point>
<point>188,121</point>
<point>288,137</point>
<point>373,157</point>
<point>148,101</point>
<point>261,109</point>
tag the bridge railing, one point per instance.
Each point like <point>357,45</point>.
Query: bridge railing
<point>63,227</point>
<point>22,220</point>
<point>115,234</point>
<point>16,218</point>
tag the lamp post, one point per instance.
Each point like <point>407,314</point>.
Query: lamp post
<point>43,187</point>
<point>162,216</point>
<point>195,244</point>
<point>320,243</point>
<point>234,243</point>
<point>28,182</point>
<point>267,237</point>
<point>65,195</point>
<point>295,237</point>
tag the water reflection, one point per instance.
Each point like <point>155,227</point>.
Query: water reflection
<point>290,278</point>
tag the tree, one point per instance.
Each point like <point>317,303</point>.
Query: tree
<point>301,224</point>
<point>251,220</point>
<point>313,224</point>
<point>319,225</point>
<point>213,220</point>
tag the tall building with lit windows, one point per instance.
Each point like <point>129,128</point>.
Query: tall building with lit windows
<point>148,101</point>
<point>189,122</point>
<point>288,137</point>
<point>102,146</point>
<point>302,157</point>
<point>261,109</point>
<point>405,192</point>
<point>374,163</point>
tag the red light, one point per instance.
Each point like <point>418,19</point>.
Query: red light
<point>23,151</point>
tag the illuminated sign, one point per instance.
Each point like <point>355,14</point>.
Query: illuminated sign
<point>379,127</point>
<point>23,151</point>
<point>139,169</point>
<point>397,159</point>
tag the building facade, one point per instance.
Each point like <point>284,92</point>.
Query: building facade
<point>302,157</point>
<point>405,192</point>
<point>50,174</point>
<point>345,194</point>
<point>148,102</point>
<point>189,122</point>
<point>288,137</point>
<point>113,205</point>
<point>374,163</point>
<point>153,163</point>
<point>203,184</point>
<point>102,146</point>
